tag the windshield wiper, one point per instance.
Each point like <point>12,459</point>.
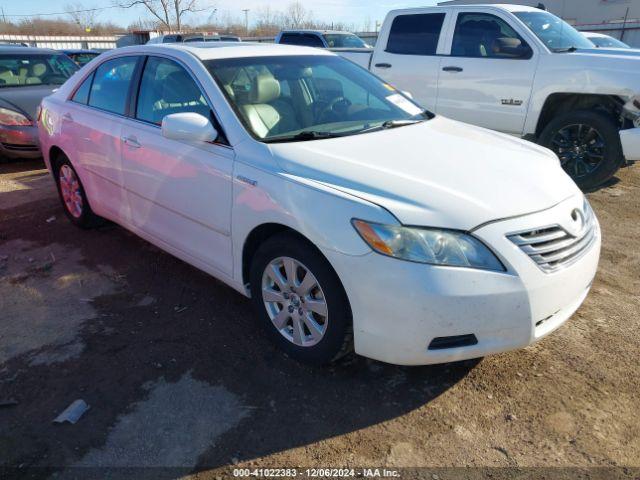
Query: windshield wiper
<point>302,136</point>
<point>565,49</point>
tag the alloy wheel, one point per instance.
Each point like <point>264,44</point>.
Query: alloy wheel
<point>70,189</point>
<point>294,301</point>
<point>580,148</point>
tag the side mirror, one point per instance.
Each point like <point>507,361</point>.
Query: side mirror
<point>188,126</point>
<point>511,47</point>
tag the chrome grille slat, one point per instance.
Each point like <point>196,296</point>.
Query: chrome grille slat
<point>553,247</point>
<point>539,238</point>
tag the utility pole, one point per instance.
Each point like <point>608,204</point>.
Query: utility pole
<point>246,20</point>
<point>624,24</point>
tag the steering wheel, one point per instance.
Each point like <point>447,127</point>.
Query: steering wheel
<point>337,107</point>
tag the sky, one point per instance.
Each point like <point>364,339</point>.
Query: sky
<point>346,11</point>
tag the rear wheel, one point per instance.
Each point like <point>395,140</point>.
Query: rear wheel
<point>587,144</point>
<point>72,195</point>
<point>300,300</point>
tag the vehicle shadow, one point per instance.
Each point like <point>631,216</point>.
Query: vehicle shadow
<point>192,326</point>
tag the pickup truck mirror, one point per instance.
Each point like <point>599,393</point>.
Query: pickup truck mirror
<point>189,126</point>
<point>511,47</point>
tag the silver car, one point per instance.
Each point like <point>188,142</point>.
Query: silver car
<point>27,75</point>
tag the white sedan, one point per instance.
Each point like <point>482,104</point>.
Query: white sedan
<point>353,218</point>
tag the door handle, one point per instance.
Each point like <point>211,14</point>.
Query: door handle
<point>67,117</point>
<point>131,142</point>
<point>383,65</point>
<point>452,69</point>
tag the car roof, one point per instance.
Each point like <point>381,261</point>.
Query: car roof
<point>510,7</point>
<point>596,35</point>
<point>27,50</point>
<point>219,50</point>
<point>78,50</point>
<point>305,30</point>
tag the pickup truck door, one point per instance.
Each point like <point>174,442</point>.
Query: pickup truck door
<point>407,53</point>
<point>487,75</point>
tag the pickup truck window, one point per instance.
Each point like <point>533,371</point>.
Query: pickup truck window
<point>415,34</point>
<point>555,33</point>
<point>482,35</point>
<point>296,98</point>
<point>302,39</point>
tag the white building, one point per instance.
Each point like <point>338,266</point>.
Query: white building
<point>618,18</point>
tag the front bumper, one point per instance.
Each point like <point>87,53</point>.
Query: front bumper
<point>400,307</point>
<point>19,142</point>
<point>630,140</point>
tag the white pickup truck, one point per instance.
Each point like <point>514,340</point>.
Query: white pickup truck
<point>518,70</point>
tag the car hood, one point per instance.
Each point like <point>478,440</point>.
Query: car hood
<point>26,99</point>
<point>439,173</point>
<point>620,52</point>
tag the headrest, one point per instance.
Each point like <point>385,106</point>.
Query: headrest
<point>179,87</point>
<point>38,69</point>
<point>264,89</point>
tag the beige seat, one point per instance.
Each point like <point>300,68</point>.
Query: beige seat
<point>265,112</point>
<point>36,73</point>
<point>7,77</point>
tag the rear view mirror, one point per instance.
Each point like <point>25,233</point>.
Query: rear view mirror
<point>188,126</point>
<point>511,47</point>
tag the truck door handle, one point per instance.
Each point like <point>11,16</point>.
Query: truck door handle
<point>131,142</point>
<point>383,65</point>
<point>452,69</point>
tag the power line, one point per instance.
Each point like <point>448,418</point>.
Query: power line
<point>84,10</point>
<point>58,13</point>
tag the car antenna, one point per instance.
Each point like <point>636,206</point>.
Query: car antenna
<point>541,6</point>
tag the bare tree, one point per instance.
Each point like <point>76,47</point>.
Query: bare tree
<point>84,17</point>
<point>170,13</point>
<point>296,14</point>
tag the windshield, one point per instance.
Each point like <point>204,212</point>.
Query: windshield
<point>555,33</point>
<point>23,70</point>
<point>608,42</point>
<point>344,40</point>
<point>284,98</point>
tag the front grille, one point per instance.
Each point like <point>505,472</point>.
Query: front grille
<point>20,148</point>
<point>554,247</point>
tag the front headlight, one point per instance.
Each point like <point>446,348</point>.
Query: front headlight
<point>13,118</point>
<point>428,245</point>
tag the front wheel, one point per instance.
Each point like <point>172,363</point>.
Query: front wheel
<point>300,301</point>
<point>587,144</point>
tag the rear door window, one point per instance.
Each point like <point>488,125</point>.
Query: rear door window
<point>110,87</point>
<point>415,34</point>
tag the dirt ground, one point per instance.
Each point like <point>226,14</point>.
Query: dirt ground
<point>177,375</point>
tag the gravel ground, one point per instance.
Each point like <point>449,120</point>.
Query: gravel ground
<point>176,374</point>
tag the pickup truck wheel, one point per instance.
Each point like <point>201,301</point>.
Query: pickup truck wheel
<point>300,301</point>
<point>72,195</point>
<point>588,145</point>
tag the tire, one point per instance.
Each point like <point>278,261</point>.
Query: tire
<point>72,195</point>
<point>591,165</point>
<point>332,335</point>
